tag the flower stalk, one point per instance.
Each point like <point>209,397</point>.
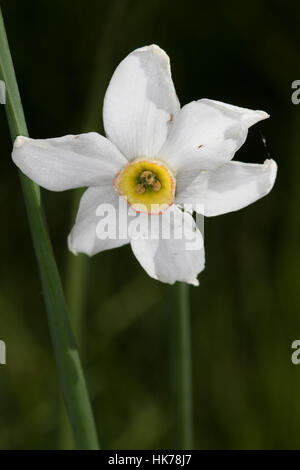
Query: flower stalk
<point>67,357</point>
<point>182,368</point>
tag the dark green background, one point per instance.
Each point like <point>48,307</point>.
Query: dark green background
<point>245,314</point>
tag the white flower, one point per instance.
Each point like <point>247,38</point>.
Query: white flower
<point>154,153</point>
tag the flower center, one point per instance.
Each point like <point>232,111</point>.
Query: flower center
<point>148,181</point>
<point>148,186</point>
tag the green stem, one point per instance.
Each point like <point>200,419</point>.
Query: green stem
<point>182,370</point>
<point>67,358</point>
<point>77,272</point>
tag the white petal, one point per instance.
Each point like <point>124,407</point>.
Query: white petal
<point>173,259</point>
<point>230,187</point>
<point>206,134</point>
<point>140,102</point>
<point>84,237</point>
<point>68,162</point>
<point>248,116</point>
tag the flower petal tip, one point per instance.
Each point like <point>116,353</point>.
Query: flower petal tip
<point>155,49</point>
<point>272,165</point>
<point>270,162</point>
<point>20,140</point>
<point>70,246</point>
<point>252,117</point>
<point>262,114</point>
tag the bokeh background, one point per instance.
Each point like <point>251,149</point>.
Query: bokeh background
<point>245,314</point>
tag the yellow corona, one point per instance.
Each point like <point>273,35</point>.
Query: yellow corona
<point>147,185</point>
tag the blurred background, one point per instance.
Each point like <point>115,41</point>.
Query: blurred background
<point>245,314</point>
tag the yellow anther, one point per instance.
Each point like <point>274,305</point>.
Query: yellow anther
<point>156,185</point>
<point>147,175</point>
<point>140,188</point>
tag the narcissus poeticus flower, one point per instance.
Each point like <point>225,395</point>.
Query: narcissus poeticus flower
<point>156,157</point>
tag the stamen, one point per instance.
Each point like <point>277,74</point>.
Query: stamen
<point>140,188</point>
<point>156,185</point>
<point>148,177</point>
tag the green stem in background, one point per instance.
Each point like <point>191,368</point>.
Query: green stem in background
<point>181,367</point>
<point>67,358</point>
<point>77,273</point>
